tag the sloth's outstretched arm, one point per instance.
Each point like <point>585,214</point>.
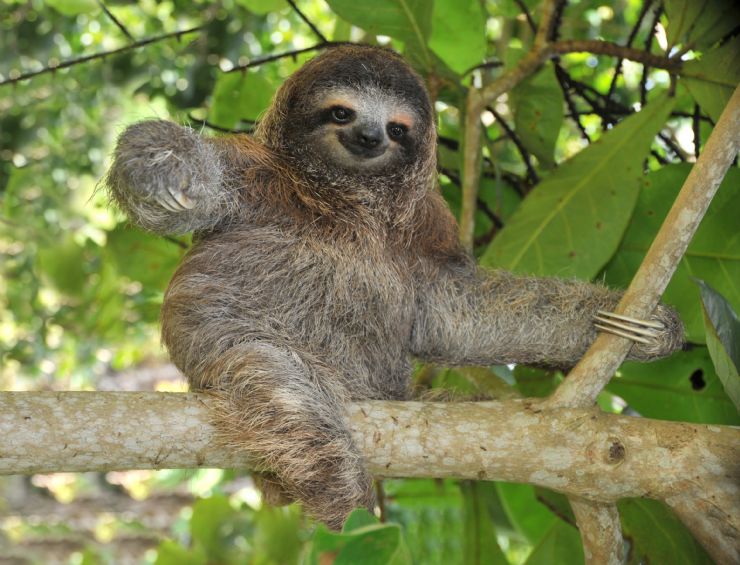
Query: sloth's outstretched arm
<point>170,180</point>
<point>483,318</point>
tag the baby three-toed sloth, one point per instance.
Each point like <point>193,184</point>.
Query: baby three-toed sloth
<point>324,260</point>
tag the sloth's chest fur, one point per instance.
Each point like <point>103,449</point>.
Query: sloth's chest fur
<point>342,303</point>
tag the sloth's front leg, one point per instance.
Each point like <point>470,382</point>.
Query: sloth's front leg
<point>169,179</point>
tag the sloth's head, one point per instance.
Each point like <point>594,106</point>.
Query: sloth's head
<point>353,113</point>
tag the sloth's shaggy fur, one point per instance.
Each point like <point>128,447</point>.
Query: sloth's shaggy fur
<point>310,285</point>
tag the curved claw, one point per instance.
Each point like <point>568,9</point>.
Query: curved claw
<point>641,331</point>
<point>179,197</point>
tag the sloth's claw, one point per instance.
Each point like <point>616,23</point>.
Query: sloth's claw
<point>641,331</point>
<point>184,203</point>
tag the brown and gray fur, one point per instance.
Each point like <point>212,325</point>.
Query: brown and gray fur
<point>316,275</point>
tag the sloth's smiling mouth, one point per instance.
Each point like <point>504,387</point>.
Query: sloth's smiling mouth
<point>360,151</point>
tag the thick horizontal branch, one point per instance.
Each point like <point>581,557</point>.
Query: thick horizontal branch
<point>578,451</point>
<point>581,452</point>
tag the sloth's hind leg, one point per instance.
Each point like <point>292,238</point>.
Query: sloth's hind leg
<point>287,415</point>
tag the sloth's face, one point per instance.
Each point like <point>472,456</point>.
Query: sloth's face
<point>364,131</point>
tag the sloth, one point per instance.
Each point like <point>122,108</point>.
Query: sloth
<point>324,260</point>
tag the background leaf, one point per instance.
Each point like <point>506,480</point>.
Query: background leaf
<point>713,255</point>
<point>723,339</point>
<point>538,114</point>
<point>458,33</point>
<point>572,222</point>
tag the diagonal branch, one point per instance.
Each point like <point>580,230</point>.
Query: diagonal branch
<point>594,371</point>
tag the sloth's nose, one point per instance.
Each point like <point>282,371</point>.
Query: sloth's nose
<point>369,136</point>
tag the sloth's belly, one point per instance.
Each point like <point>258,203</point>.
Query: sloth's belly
<point>350,307</point>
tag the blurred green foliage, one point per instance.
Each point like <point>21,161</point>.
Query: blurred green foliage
<point>81,289</point>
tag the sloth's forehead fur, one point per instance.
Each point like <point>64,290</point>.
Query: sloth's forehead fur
<point>368,72</point>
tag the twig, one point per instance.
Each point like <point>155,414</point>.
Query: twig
<point>214,127</point>
<point>527,14</point>
<point>307,21</point>
<point>116,21</point>
<point>101,55</point>
<point>277,57</point>
<point>526,157</point>
<point>696,127</point>
<point>633,33</point>
<point>648,45</point>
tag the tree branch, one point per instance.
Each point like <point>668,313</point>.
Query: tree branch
<point>278,56</point>
<point>593,372</point>
<point>598,47</point>
<point>101,55</point>
<point>583,452</point>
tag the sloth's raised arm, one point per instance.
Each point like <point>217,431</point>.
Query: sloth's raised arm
<point>170,180</point>
<point>478,317</point>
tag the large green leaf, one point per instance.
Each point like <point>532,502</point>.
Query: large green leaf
<point>712,79</point>
<point>458,33</point>
<point>723,339</point>
<point>700,23</point>
<point>713,255</point>
<point>409,21</point>
<point>657,536</point>
<point>571,224</point>
<point>538,114</point>
<point>684,387</point>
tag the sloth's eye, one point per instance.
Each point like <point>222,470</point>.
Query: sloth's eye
<point>341,115</point>
<point>396,131</point>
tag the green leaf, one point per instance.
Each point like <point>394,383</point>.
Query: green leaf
<point>657,536</point>
<point>458,33</point>
<point>63,265</point>
<point>684,387</point>
<point>73,7</point>
<point>171,553</point>
<point>712,79</point>
<point>238,96</point>
<point>206,525</point>
<point>573,221</point>
<point>143,256</point>
<point>700,23</point>
<point>409,21</point>
<point>713,255</point>
<point>526,514</point>
<point>262,7</point>
<point>430,513</point>
<point>723,339</point>
<point>373,544</point>
<point>479,533</point>
<point>359,518</point>
<point>538,114</point>
<point>560,544</point>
